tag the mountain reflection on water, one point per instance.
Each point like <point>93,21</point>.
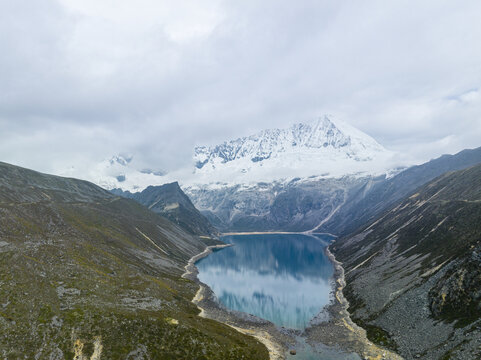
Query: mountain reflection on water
<point>283,278</point>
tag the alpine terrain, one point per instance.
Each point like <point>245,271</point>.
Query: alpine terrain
<point>285,179</point>
<point>342,179</point>
<point>407,237</point>
<point>171,202</point>
<point>86,274</point>
<point>413,274</point>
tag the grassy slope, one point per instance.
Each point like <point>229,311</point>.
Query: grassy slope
<point>81,269</point>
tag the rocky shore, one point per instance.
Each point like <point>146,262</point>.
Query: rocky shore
<point>332,327</point>
<point>339,330</point>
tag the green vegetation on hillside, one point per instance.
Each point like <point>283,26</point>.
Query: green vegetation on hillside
<point>85,274</point>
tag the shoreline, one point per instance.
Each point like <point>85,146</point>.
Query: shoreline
<point>340,330</point>
<point>191,269</point>
<point>277,232</point>
<point>205,300</point>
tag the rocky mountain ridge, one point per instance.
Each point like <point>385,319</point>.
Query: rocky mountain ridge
<point>273,142</point>
<point>171,202</point>
<point>415,270</point>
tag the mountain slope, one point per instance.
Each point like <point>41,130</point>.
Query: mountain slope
<point>417,267</point>
<point>334,205</point>
<point>88,274</point>
<point>378,194</point>
<point>171,202</point>
<point>298,205</point>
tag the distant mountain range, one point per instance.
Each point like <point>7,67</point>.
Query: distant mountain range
<point>320,149</point>
<point>120,171</point>
<point>324,176</point>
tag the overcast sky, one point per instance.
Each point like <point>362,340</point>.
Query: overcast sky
<point>81,80</point>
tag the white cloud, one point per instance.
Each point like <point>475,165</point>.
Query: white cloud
<point>84,79</point>
<point>182,20</point>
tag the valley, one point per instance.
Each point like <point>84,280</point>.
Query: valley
<point>356,265</point>
<point>240,180</point>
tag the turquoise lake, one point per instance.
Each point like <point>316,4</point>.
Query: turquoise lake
<point>283,278</point>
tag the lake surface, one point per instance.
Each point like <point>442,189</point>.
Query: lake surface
<point>281,278</point>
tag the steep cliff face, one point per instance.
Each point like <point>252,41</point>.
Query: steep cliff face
<point>298,205</point>
<point>89,274</point>
<point>457,295</point>
<point>415,270</point>
<point>171,202</point>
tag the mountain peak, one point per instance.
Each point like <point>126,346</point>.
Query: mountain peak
<point>322,148</point>
<point>320,133</point>
<point>319,147</point>
<point>121,159</point>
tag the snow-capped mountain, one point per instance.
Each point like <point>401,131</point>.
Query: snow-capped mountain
<point>322,148</point>
<point>293,179</point>
<point>316,150</point>
<point>119,171</point>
